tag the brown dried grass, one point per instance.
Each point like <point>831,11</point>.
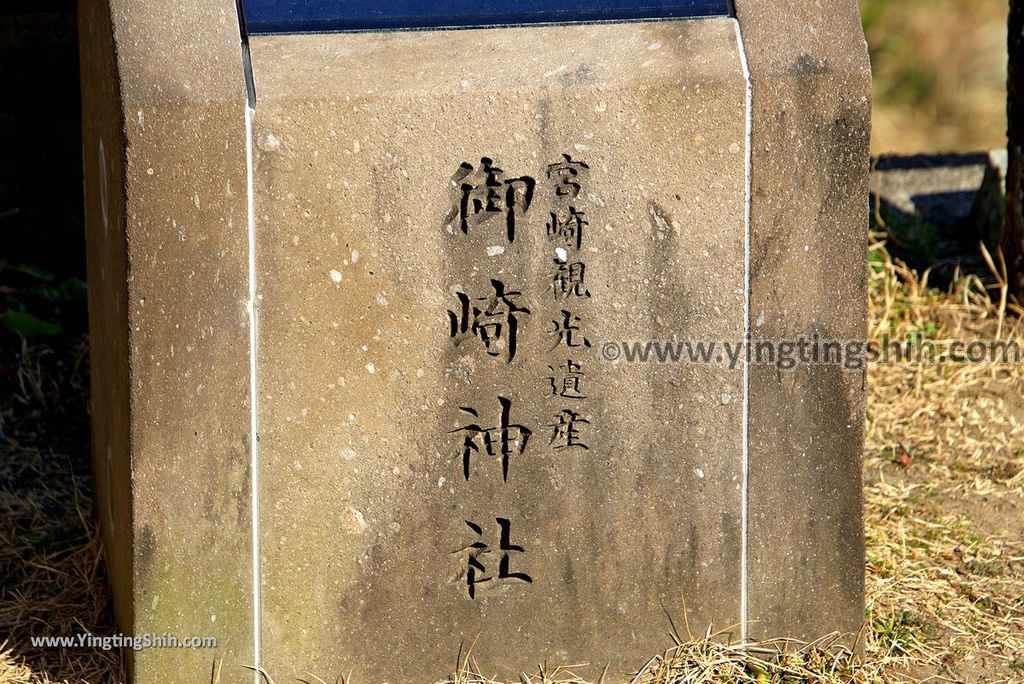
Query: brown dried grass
<point>945,471</point>
<point>51,573</point>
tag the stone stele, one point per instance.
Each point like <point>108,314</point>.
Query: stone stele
<point>414,267</point>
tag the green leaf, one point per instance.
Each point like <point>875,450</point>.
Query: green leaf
<point>70,290</point>
<point>27,325</point>
<point>35,271</point>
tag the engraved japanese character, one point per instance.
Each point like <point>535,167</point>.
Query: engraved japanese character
<point>565,432</point>
<point>495,321</point>
<point>567,175</point>
<point>476,568</point>
<point>567,227</point>
<point>485,192</point>
<point>568,279</point>
<point>502,440</point>
<point>567,330</point>
<point>566,380</point>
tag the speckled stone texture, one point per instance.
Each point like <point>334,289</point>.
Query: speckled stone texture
<point>811,121</point>
<point>380,506</point>
<point>164,157</point>
<point>360,259</point>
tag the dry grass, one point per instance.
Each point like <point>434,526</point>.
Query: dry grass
<point>51,573</point>
<point>945,470</point>
<point>711,659</point>
<point>944,474</point>
<point>14,671</point>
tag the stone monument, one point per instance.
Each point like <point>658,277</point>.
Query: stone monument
<point>358,301</point>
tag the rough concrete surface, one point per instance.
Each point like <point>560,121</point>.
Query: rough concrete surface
<point>360,258</point>
<point>601,172</point>
<point>164,149</point>
<point>811,122</point>
<point>940,188</point>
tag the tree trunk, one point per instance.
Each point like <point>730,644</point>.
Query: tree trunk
<point>1013,243</point>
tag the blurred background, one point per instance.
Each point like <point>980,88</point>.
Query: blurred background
<point>940,74</point>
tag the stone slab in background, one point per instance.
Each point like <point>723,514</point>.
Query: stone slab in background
<point>988,212</point>
<point>938,208</point>
<point>956,192</point>
<point>941,188</point>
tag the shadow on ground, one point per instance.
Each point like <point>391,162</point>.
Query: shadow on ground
<point>51,575</point>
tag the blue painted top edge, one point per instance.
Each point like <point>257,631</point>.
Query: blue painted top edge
<point>313,16</point>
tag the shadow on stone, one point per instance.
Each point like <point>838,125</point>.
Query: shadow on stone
<point>936,209</point>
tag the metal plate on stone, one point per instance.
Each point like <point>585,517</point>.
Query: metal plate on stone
<point>302,16</point>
